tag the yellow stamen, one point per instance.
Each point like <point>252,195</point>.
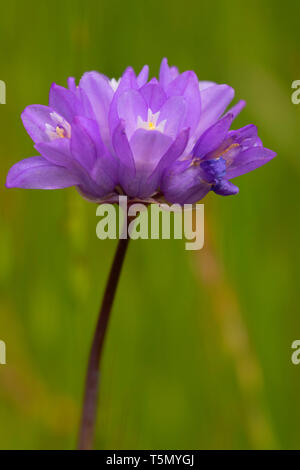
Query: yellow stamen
<point>60,132</point>
<point>151,125</point>
<point>220,154</point>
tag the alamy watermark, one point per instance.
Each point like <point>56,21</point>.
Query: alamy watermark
<point>2,92</point>
<point>295,357</point>
<point>2,352</point>
<point>160,221</point>
<point>295,97</point>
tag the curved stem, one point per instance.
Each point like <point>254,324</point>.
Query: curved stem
<point>89,410</point>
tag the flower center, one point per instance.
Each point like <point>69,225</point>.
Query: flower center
<point>151,123</point>
<point>60,129</point>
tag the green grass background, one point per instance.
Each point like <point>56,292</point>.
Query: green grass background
<point>199,346</point>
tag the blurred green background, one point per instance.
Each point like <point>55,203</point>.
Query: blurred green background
<point>198,353</point>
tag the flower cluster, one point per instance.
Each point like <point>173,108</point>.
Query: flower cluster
<point>163,139</point>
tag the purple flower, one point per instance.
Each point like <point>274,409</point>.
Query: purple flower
<point>160,139</point>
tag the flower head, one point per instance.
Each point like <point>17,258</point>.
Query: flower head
<point>165,138</point>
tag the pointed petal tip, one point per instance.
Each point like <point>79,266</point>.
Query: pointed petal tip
<point>269,155</point>
<point>240,105</point>
<point>129,70</point>
<point>237,108</point>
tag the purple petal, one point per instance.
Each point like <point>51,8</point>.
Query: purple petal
<point>85,136</point>
<point>195,194</point>
<point>38,173</point>
<point>237,108</point>
<point>88,149</point>
<point>225,188</point>
<point>203,84</point>
<point>213,137</point>
<point>172,112</point>
<point>131,105</point>
<point>143,76</point>
<point>123,152</point>
<point>246,132</point>
<point>95,189</point>
<point>105,174</point>
<point>128,81</point>
<point>249,160</point>
<point>171,155</point>
<point>154,96</point>
<point>148,147</point>
<point>182,183</point>
<point>35,117</point>
<point>64,102</point>
<point>187,85</point>
<point>239,141</point>
<point>72,84</point>
<point>214,100</point>
<point>167,74</point>
<point>100,94</point>
<point>87,109</point>
<point>56,152</point>
<point>246,137</point>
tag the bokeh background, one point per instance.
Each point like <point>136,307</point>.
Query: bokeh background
<point>198,354</point>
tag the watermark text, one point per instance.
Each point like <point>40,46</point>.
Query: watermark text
<point>2,92</point>
<point>157,221</point>
<point>2,353</point>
